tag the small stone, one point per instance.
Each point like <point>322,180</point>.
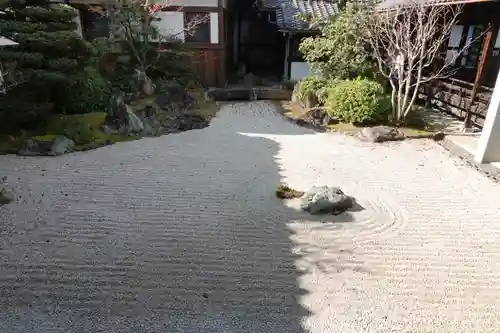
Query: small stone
<point>6,196</point>
<point>189,122</point>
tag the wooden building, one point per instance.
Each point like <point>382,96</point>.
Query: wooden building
<point>287,20</point>
<point>208,40</point>
<point>467,92</point>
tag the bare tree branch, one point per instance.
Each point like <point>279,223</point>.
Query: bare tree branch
<point>406,43</point>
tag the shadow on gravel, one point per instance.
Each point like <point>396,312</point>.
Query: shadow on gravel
<point>202,245</point>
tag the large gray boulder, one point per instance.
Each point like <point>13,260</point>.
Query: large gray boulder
<point>381,134</point>
<point>121,119</point>
<point>326,200</point>
<point>149,118</point>
<point>59,146</point>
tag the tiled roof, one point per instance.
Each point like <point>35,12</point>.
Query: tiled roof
<point>287,11</point>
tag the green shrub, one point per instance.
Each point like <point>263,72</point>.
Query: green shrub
<point>87,92</point>
<point>81,128</point>
<point>322,93</point>
<point>311,84</point>
<point>358,101</point>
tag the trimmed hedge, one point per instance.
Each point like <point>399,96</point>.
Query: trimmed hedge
<point>359,101</point>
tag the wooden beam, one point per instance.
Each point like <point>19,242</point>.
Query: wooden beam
<point>485,55</point>
<point>186,9</point>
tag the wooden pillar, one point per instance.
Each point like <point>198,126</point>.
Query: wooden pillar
<point>286,74</point>
<point>485,55</point>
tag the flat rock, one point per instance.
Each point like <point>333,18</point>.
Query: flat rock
<point>381,134</point>
<point>189,122</point>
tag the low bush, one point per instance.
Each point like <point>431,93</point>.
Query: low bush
<point>359,101</point>
<point>88,92</point>
<point>322,93</point>
<point>311,84</point>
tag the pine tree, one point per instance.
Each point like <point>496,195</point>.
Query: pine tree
<point>49,54</point>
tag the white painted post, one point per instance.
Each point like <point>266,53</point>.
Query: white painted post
<point>488,149</point>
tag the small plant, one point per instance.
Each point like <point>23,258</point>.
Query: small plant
<point>284,191</point>
<point>360,101</point>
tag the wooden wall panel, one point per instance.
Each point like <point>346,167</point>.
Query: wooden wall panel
<point>209,66</point>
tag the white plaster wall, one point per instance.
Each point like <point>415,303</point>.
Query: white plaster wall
<point>171,24</point>
<point>214,28</point>
<point>192,3</point>
<point>299,70</point>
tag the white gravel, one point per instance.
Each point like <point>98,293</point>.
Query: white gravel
<point>182,233</point>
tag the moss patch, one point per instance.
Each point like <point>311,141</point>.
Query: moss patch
<point>86,129</point>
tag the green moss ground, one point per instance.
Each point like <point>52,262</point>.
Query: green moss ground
<point>85,129</point>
